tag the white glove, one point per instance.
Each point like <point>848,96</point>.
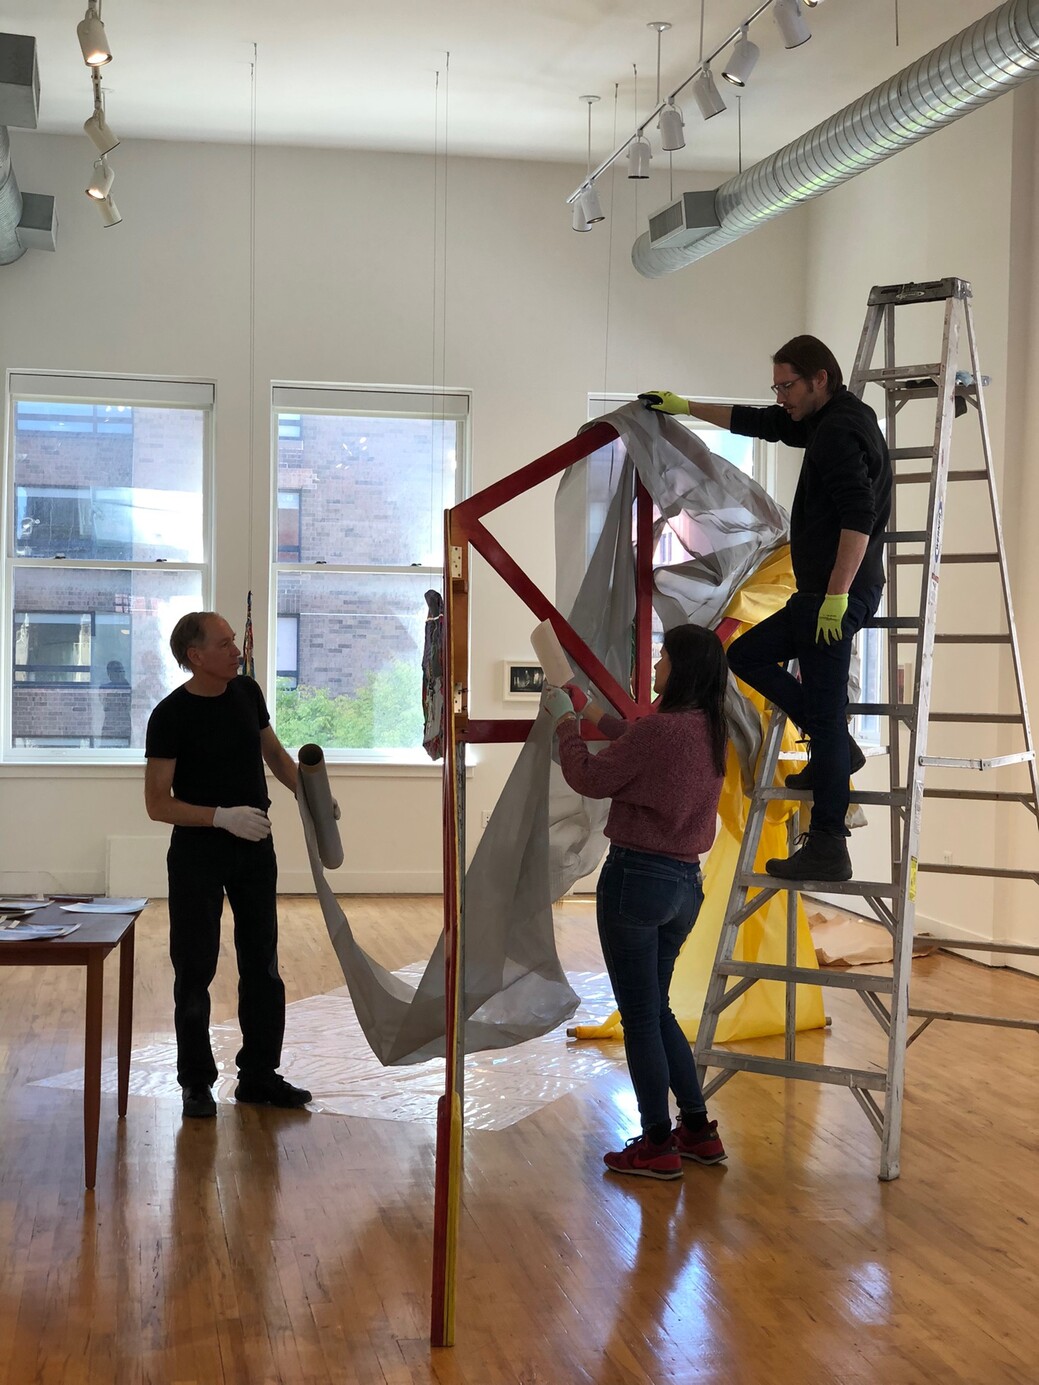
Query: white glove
<point>251,824</point>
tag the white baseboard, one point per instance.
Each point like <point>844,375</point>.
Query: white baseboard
<point>855,904</point>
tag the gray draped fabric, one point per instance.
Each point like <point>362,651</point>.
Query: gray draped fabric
<point>542,837</point>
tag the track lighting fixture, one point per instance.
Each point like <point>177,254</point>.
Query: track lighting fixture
<point>791,22</point>
<point>98,129</point>
<point>706,94</point>
<point>577,221</point>
<point>672,128</point>
<point>741,60</point>
<point>109,211</point>
<point>101,184</point>
<point>589,204</point>
<point>92,37</point>
<point>639,155</point>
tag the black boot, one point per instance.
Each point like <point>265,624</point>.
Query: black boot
<point>803,778</point>
<point>820,857</point>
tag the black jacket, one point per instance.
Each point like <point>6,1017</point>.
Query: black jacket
<point>845,483</point>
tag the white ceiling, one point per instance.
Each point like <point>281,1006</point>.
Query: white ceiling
<point>343,74</point>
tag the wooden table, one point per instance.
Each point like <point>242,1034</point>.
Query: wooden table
<point>88,947</point>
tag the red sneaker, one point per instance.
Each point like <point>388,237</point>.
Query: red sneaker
<point>644,1159</point>
<point>703,1145</point>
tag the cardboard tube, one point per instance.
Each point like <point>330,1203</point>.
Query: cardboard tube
<point>549,652</point>
<point>314,785</point>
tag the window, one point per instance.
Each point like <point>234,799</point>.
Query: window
<point>287,653</point>
<point>289,548</point>
<point>362,484</point>
<point>104,550</point>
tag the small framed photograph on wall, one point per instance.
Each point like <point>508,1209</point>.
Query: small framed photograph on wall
<point>521,681</point>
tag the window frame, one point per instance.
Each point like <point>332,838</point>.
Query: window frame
<point>358,400</point>
<point>131,391</point>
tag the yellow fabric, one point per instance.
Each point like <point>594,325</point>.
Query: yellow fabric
<point>762,938</point>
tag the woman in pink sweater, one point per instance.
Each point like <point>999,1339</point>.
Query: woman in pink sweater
<point>664,774</point>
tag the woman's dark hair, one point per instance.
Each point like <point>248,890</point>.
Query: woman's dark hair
<point>809,355</point>
<point>697,681</point>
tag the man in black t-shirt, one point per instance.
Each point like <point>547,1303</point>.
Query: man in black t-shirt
<point>837,523</point>
<point>206,746</point>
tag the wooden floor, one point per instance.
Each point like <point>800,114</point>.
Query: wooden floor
<point>284,1247</point>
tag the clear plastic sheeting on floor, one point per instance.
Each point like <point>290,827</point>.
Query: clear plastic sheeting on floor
<point>542,837</point>
<point>326,1052</point>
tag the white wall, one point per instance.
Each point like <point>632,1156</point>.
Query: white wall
<point>344,247</point>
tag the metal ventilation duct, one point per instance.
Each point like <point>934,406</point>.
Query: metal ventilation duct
<point>990,57</point>
<point>26,221</point>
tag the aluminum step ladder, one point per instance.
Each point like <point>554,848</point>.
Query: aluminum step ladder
<point>956,385</point>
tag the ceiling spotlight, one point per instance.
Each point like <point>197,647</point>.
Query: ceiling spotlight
<point>589,204</point>
<point>101,184</point>
<point>741,60</point>
<point>671,126</point>
<point>92,37</point>
<point>639,155</point>
<point>98,129</point>
<point>791,23</point>
<point>812,3</point>
<point>706,94</point>
<point>578,222</point>
<point>109,211</point>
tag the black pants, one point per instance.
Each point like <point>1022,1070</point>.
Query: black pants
<point>203,863</point>
<point>818,703</point>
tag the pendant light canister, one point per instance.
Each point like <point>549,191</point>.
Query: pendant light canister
<point>707,95</point>
<point>101,184</point>
<point>791,23</point>
<point>110,215</point>
<point>100,133</point>
<point>92,39</point>
<point>741,60</point>
<point>639,155</point>
<point>589,204</point>
<point>578,221</point>
<point>672,128</point>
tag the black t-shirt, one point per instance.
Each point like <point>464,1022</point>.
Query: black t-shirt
<point>216,744</point>
<point>845,483</point>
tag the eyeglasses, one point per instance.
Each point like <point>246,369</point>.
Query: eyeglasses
<point>785,386</point>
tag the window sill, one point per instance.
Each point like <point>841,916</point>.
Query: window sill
<point>134,769</point>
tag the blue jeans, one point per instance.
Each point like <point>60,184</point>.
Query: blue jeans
<point>818,703</point>
<point>646,906</point>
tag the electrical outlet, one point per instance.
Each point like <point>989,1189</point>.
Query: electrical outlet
<point>484,820</point>
<point>946,858</point>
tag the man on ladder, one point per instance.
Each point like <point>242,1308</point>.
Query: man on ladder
<point>837,523</point>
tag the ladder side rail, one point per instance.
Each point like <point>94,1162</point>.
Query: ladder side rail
<point>736,909</point>
<point>896,818</point>
<point>905,903</point>
<point>997,528</point>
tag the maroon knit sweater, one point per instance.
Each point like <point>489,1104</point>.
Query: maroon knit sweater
<point>660,774</point>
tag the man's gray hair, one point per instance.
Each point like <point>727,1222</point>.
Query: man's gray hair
<point>189,632</point>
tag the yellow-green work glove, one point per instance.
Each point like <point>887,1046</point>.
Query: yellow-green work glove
<point>831,616</point>
<point>664,402</point>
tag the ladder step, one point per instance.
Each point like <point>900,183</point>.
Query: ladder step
<point>904,711</point>
<point>876,798</point>
<point>926,291</point>
<point>951,639</point>
<point>895,623</point>
<point>906,536</point>
<point>780,1067</point>
<point>988,872</point>
<point>910,454</point>
<point>892,374</point>
<point>946,558</point>
<point>883,889</point>
<point>917,477</point>
<point>982,795</point>
<point>808,976</point>
<point>984,718</point>
<point>1024,949</point>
